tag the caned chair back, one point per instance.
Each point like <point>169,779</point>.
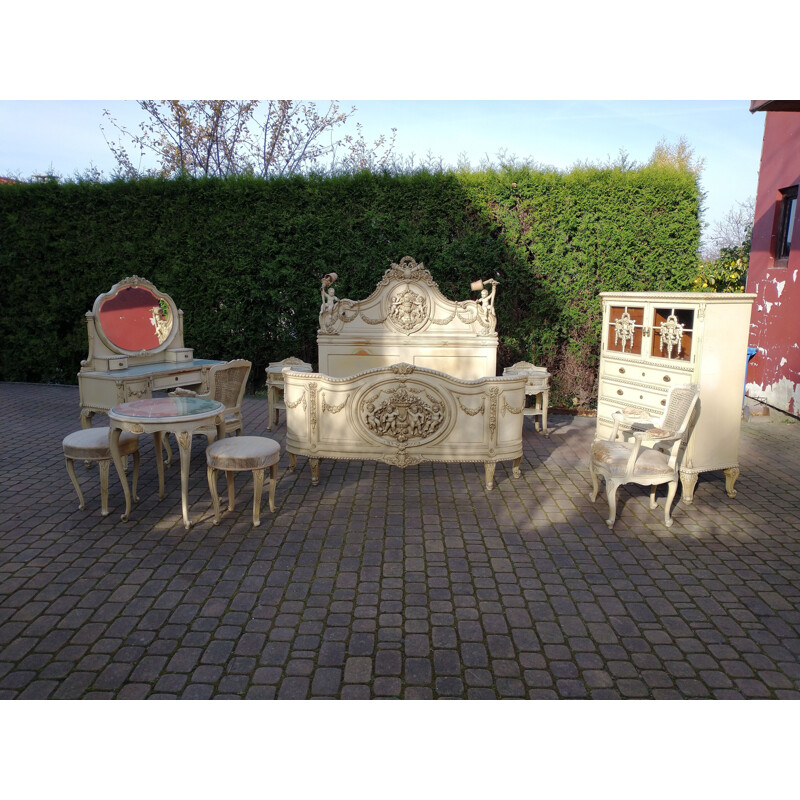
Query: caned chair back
<point>227,383</point>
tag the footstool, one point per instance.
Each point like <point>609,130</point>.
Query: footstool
<point>243,454</point>
<point>91,444</point>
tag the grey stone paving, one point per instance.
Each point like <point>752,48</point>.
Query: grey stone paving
<point>389,583</point>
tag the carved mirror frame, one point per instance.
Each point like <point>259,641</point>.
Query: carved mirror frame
<point>161,301</point>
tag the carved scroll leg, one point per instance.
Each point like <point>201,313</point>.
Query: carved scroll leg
<point>673,488</point>
<point>86,422</point>
<point>113,442</point>
<point>515,469</point>
<point>157,444</point>
<point>611,494</point>
<point>212,486</point>
<point>314,462</point>
<point>270,408</point>
<point>104,468</point>
<point>653,501</point>
<point>258,488</point>
<point>489,469</point>
<point>229,479</point>
<point>273,479</point>
<point>545,403</point>
<point>74,479</point>
<point>185,445</point>
<point>688,482</point>
<point>731,474</point>
<point>595,482</point>
<point>136,460</point>
<point>168,459</point>
<point>292,462</point>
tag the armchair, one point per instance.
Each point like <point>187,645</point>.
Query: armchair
<point>226,383</point>
<point>651,454</point>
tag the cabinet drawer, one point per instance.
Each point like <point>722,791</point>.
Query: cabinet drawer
<point>623,394</point>
<point>643,373</point>
<point>172,380</point>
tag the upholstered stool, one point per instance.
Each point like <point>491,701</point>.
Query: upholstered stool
<point>243,454</point>
<point>91,444</point>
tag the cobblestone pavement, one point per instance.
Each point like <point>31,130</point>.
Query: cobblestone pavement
<point>389,583</point>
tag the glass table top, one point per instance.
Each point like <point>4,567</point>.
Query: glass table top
<point>167,408</point>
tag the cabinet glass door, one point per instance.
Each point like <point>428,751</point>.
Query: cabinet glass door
<point>672,333</point>
<point>625,328</point>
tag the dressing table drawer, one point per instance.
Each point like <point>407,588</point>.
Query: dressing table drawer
<point>173,380</point>
<point>135,390</point>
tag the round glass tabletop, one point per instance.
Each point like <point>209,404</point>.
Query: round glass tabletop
<point>167,408</point>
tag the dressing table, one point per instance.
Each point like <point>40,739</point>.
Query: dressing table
<point>135,348</point>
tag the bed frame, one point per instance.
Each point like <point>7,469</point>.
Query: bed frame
<point>406,376</point>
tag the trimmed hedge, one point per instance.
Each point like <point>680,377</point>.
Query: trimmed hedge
<point>243,257</point>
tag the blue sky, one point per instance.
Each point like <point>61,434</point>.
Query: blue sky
<point>65,136</point>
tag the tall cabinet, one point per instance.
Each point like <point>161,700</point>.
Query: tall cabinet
<point>654,340</point>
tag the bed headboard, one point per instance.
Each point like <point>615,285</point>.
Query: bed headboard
<point>407,319</point>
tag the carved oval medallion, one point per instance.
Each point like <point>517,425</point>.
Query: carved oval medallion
<point>404,413</point>
<point>407,309</point>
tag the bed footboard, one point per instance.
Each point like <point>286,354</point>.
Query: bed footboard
<point>404,415</point>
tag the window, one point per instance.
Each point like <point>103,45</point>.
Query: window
<point>787,210</point>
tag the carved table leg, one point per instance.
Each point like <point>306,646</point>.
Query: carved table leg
<point>731,474</point>
<point>314,462</point>
<point>270,408</point>
<point>515,469</point>
<point>545,403</point>
<point>292,462</point>
<point>113,441</point>
<point>489,467</point>
<point>688,482</point>
<point>157,444</point>
<point>185,446</point>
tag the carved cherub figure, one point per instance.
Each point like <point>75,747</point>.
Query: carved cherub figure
<point>486,299</point>
<point>329,298</point>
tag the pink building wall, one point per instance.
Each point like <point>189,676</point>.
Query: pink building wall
<point>773,374</point>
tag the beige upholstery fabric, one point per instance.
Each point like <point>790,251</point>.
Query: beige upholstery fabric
<point>91,444</point>
<point>239,454</point>
<point>243,453</point>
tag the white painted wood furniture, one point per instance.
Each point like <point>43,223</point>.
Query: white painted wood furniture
<point>135,348</point>
<point>253,454</point>
<point>404,415</point>
<point>538,387</point>
<point>406,376</point>
<point>407,320</point>
<point>92,444</point>
<point>181,416</point>
<point>275,385</point>
<point>226,383</point>
<point>654,340</point>
<point>648,457</point>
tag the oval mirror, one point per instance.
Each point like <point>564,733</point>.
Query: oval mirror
<point>136,319</point>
